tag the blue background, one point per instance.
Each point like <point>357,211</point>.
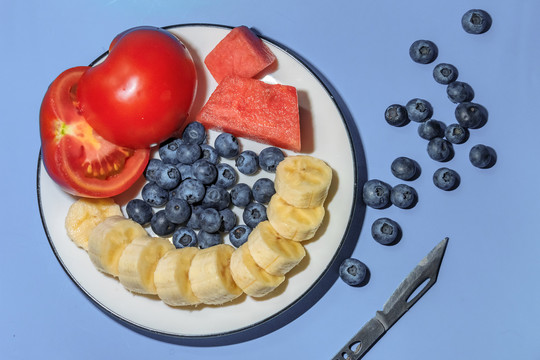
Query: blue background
<point>485,303</point>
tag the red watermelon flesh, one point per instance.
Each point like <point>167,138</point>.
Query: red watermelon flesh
<point>239,53</point>
<point>253,109</point>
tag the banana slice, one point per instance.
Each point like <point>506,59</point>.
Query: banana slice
<point>172,280</point>
<point>138,262</point>
<point>272,252</point>
<point>108,240</point>
<point>252,279</point>
<point>210,275</point>
<point>85,214</point>
<point>294,223</point>
<point>303,181</point>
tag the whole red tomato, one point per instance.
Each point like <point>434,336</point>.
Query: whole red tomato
<point>74,155</point>
<point>142,92</point>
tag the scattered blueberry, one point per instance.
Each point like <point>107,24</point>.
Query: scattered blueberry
<point>194,133</point>
<point>216,197</point>
<point>207,239</point>
<point>445,74</point>
<point>353,272</point>
<point>419,110</point>
<point>152,169</point>
<point>160,225</point>
<point>482,156</point>
<point>385,231</point>
<point>228,220</point>
<point>241,195</point>
<point>403,196</point>
<point>209,154</point>
<point>167,151</point>
<point>184,237</point>
<point>476,21</point>
<point>269,158</point>
<point>226,175</point>
<point>239,235</point>
<point>139,211</point>
<point>459,91</point>
<point>456,134</point>
<point>404,168</point>
<point>154,195</point>
<point>204,171</point>
<point>247,162</point>
<point>423,51</point>
<point>431,129</point>
<point>253,214</point>
<point>210,220</point>
<point>168,177</point>
<point>177,211</point>
<point>376,194</point>
<point>396,115</point>
<point>446,179</point>
<point>262,190</point>
<point>188,153</point>
<point>191,190</point>
<point>227,145</point>
<point>440,149</point>
<point>471,115</point>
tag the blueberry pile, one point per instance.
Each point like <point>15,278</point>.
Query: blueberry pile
<point>190,193</point>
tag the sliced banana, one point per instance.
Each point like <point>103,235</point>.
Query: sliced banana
<point>85,214</point>
<point>138,262</point>
<point>251,278</point>
<point>108,240</point>
<point>272,252</point>
<point>171,277</point>
<point>294,223</point>
<point>210,275</point>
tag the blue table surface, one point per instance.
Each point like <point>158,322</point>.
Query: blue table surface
<point>485,304</point>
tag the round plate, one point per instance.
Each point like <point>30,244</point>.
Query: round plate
<point>328,132</point>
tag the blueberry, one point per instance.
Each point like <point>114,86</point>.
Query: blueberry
<point>168,177</point>
<point>194,133</point>
<point>177,211</point>
<point>188,153</point>
<point>403,196</point>
<point>445,74</point>
<point>167,151</point>
<point>269,158</point>
<point>353,272</point>
<point>404,168</point>
<point>459,92</point>
<point>440,149</point>
<point>247,162</point>
<point>241,195</point>
<point>207,239</point>
<point>227,145</point>
<point>216,197</point>
<point>160,225</point>
<point>186,171</point>
<point>152,170</point>
<point>446,179</point>
<point>209,154</point>
<point>210,220</point>
<point>471,115</point>
<point>262,190</point>
<point>194,221</point>
<point>419,110</point>
<point>253,214</point>
<point>154,195</point>
<point>228,220</point>
<point>476,21</point>
<point>239,235</point>
<point>191,190</point>
<point>139,211</point>
<point>204,171</point>
<point>184,237</point>
<point>385,231</point>
<point>226,176</point>
<point>376,194</point>
<point>481,156</point>
<point>431,129</point>
<point>456,134</point>
<point>423,51</point>
<point>396,115</point>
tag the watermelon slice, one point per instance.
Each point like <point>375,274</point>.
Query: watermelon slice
<point>239,53</point>
<point>253,109</point>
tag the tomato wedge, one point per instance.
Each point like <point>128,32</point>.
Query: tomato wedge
<point>75,156</point>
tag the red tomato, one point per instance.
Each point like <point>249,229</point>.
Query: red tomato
<point>142,92</point>
<point>77,158</point>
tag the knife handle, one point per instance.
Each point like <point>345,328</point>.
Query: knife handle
<point>359,345</point>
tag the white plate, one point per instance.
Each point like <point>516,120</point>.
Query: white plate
<point>327,133</point>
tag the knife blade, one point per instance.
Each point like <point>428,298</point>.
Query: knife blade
<point>411,289</point>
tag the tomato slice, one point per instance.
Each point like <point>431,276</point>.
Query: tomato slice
<point>75,156</point>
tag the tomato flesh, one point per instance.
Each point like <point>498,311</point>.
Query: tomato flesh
<point>78,159</point>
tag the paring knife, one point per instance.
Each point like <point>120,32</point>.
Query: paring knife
<point>397,305</point>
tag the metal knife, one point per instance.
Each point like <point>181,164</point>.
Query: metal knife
<point>425,273</point>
